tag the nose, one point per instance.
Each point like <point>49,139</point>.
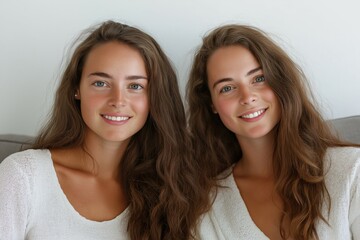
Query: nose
<point>117,98</point>
<point>247,95</point>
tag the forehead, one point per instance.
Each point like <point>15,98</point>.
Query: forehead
<point>115,57</point>
<point>229,59</point>
<point>113,49</point>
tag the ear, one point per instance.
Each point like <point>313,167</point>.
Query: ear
<point>77,94</point>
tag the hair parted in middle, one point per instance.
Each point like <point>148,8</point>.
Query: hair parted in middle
<point>302,135</point>
<point>159,175</point>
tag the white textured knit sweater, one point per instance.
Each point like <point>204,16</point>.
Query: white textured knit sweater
<point>229,218</point>
<point>34,207</point>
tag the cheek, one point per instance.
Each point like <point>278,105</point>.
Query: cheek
<point>90,101</point>
<point>142,105</point>
<point>89,104</point>
<point>271,97</point>
<point>223,107</point>
<point>86,110</point>
<point>268,94</point>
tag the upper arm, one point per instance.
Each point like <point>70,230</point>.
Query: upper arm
<point>355,229</point>
<point>14,204</point>
<point>354,210</point>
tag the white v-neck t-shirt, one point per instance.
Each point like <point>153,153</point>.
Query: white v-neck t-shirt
<point>34,207</point>
<point>229,218</point>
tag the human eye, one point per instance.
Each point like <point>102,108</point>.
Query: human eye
<point>259,79</point>
<point>99,84</point>
<point>135,86</point>
<point>226,89</point>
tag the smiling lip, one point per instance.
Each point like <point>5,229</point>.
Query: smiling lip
<point>251,116</point>
<point>113,118</point>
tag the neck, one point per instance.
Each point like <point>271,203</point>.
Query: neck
<point>257,157</point>
<point>102,158</point>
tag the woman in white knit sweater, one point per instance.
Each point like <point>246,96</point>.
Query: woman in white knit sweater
<point>112,161</point>
<point>271,165</point>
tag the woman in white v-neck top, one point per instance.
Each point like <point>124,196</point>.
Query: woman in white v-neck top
<point>271,165</point>
<point>112,161</point>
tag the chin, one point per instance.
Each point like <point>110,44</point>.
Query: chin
<point>257,134</point>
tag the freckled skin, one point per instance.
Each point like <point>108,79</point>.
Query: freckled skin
<point>236,90</point>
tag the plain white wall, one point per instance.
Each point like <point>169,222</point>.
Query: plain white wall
<point>322,36</point>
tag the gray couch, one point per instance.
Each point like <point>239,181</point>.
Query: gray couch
<point>11,143</point>
<point>347,128</point>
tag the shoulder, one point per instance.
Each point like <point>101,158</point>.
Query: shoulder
<point>343,183</point>
<point>342,171</point>
<point>24,162</point>
<point>26,156</point>
<point>342,163</point>
<point>351,153</point>
<point>342,160</point>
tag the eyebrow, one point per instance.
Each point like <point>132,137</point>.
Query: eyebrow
<point>229,79</point>
<point>106,75</point>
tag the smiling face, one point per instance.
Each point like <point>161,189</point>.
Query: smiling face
<point>240,94</point>
<point>113,92</point>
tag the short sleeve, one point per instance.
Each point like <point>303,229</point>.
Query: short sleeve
<point>15,176</point>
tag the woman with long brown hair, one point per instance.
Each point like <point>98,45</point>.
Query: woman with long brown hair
<point>272,165</point>
<point>112,162</point>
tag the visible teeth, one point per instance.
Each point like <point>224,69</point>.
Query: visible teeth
<point>253,115</point>
<point>114,118</point>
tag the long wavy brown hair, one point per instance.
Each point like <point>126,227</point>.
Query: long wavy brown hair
<point>302,135</point>
<point>156,169</point>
